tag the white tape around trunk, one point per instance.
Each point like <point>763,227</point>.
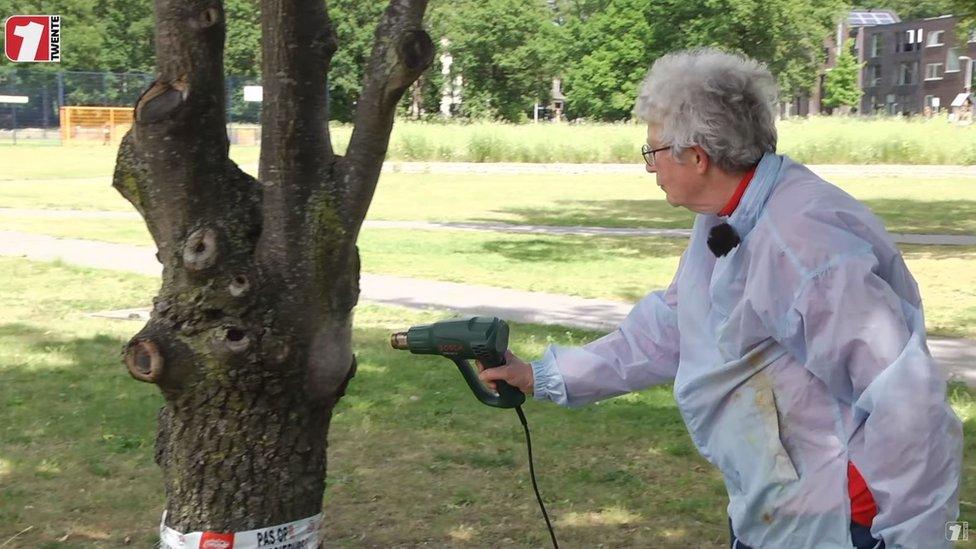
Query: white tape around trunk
<point>301,534</point>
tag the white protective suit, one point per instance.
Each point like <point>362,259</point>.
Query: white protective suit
<point>801,349</point>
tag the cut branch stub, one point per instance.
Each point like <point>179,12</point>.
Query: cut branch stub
<point>161,100</point>
<point>416,50</point>
<point>207,18</point>
<point>235,339</point>
<point>239,286</point>
<point>200,249</point>
<point>144,360</point>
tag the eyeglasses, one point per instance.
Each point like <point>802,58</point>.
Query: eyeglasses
<point>648,153</point>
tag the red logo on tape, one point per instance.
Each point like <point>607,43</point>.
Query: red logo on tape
<point>213,540</point>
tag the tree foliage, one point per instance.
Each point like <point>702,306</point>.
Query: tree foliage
<point>505,50</point>
<point>355,23</point>
<point>607,53</point>
<point>841,87</point>
<point>242,48</point>
<point>787,35</point>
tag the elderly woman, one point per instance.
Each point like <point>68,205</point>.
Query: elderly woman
<point>793,332</point>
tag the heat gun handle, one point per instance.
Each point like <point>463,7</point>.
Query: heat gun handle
<point>507,397</point>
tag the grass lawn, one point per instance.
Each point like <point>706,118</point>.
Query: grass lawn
<point>573,265</point>
<point>414,459</point>
<point>931,206</point>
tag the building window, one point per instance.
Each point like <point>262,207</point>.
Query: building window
<point>904,41</point>
<point>936,38</point>
<point>952,60</point>
<point>874,75</point>
<point>877,43</point>
<point>933,71</point>
<point>907,73</point>
<point>908,40</point>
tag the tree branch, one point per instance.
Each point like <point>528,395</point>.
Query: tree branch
<point>298,40</point>
<point>173,166</point>
<point>401,52</point>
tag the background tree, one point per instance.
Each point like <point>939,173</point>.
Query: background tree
<point>242,48</point>
<point>249,339</point>
<point>355,23</point>
<point>840,88</point>
<point>506,51</point>
<point>966,10</point>
<point>787,35</point>
<point>125,32</point>
<point>609,46</point>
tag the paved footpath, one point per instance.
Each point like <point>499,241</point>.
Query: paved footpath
<point>958,356</point>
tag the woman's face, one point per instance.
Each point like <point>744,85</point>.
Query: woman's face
<point>682,182</point>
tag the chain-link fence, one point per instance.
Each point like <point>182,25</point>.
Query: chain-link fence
<point>31,100</point>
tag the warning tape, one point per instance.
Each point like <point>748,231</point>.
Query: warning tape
<point>301,534</point>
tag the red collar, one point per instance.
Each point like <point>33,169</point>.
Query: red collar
<point>737,195</point>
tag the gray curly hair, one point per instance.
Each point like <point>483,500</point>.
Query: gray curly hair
<point>722,102</point>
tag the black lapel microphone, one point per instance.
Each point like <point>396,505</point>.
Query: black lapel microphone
<point>722,238</point>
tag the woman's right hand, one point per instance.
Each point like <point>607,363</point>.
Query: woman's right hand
<point>516,372</point>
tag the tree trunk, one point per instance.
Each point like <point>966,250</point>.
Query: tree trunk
<point>250,335</point>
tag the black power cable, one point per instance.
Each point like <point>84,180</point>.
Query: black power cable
<point>528,444</point>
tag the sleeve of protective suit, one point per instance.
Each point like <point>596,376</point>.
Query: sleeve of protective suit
<point>867,344</point>
<point>642,352</point>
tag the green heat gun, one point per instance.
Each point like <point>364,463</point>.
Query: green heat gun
<point>483,338</point>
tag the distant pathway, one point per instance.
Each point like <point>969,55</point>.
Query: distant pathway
<point>958,356</point>
<point>931,239</point>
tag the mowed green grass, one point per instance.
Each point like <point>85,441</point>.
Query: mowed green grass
<point>573,265</point>
<point>414,459</point>
<point>941,206</point>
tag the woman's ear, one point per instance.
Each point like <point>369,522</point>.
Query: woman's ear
<point>702,161</point>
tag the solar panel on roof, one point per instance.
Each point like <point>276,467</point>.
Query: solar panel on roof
<point>860,18</point>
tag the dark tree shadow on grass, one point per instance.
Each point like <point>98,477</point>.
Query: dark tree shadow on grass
<point>935,217</point>
<point>655,214</point>
<point>565,249</point>
<point>900,216</point>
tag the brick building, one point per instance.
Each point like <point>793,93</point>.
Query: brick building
<point>910,65</point>
<point>850,30</point>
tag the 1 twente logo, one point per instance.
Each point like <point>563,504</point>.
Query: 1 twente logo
<point>33,38</point>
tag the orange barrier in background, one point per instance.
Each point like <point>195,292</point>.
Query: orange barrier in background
<point>105,124</point>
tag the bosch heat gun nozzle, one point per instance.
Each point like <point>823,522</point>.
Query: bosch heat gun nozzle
<point>398,340</point>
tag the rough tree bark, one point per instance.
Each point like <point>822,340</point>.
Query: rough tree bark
<point>249,339</point>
